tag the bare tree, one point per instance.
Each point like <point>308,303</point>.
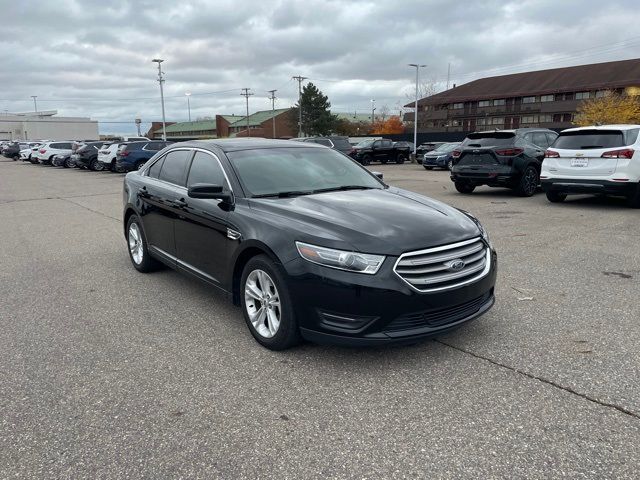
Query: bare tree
<point>384,112</point>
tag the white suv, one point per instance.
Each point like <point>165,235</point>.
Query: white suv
<point>48,150</point>
<point>107,155</point>
<point>594,160</point>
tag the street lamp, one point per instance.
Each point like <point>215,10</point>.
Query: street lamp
<point>35,104</point>
<point>415,114</point>
<point>161,81</point>
<point>373,109</point>
<point>188,94</point>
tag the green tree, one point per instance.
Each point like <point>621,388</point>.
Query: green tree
<point>316,115</point>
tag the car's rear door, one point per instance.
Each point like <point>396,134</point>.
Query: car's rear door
<point>202,227</point>
<point>161,197</point>
<point>591,152</point>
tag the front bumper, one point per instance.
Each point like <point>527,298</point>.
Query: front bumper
<point>593,187</point>
<point>440,161</point>
<point>344,308</point>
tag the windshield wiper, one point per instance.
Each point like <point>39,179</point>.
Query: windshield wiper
<point>342,188</point>
<point>289,193</point>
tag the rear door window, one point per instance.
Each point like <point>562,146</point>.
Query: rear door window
<point>387,144</point>
<point>590,139</point>
<point>324,141</point>
<point>174,167</point>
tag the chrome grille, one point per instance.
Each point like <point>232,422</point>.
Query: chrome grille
<point>445,267</point>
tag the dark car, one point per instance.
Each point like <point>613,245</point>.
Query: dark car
<point>501,158</point>
<point>340,144</point>
<point>380,150</point>
<point>309,243</point>
<point>441,156</point>
<point>12,150</point>
<point>86,155</point>
<point>134,155</point>
<point>426,147</point>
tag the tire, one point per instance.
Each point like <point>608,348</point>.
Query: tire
<point>112,165</point>
<point>401,158</point>
<point>633,200</point>
<point>427,167</point>
<point>16,158</point>
<point>528,183</point>
<point>95,165</point>
<point>140,164</point>
<point>262,284</point>
<point>366,160</point>
<point>465,187</point>
<point>450,165</point>
<point>67,163</point>
<point>137,247</point>
<point>556,197</point>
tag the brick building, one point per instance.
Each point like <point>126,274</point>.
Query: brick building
<point>544,98</point>
<point>260,125</point>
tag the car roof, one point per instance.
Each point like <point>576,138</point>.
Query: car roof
<point>234,144</point>
<point>604,127</point>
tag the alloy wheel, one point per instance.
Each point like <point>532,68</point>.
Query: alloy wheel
<point>135,244</point>
<point>262,302</point>
<point>530,181</point>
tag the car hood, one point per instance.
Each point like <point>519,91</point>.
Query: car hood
<point>388,222</point>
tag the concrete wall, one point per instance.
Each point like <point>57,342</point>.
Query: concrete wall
<point>13,127</point>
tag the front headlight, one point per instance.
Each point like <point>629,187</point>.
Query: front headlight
<point>340,259</point>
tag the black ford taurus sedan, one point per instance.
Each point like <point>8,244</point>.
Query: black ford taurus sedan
<point>309,243</point>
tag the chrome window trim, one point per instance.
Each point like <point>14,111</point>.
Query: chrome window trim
<point>450,246</point>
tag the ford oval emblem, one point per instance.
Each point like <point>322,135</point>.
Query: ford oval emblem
<point>455,265</point>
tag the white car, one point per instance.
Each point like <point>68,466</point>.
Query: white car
<point>107,155</point>
<point>27,150</point>
<point>48,150</point>
<point>603,159</point>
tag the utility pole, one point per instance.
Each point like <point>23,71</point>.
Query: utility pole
<point>415,114</point>
<point>246,94</point>
<point>35,104</point>
<point>373,109</point>
<point>161,81</point>
<point>448,75</point>
<point>300,79</point>
<point>188,95</point>
<point>273,110</point>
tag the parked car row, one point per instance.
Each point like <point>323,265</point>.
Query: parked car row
<point>120,156</point>
<point>601,160</point>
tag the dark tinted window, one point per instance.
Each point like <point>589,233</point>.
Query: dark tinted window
<point>551,137</point>
<point>489,139</point>
<point>206,169</point>
<point>134,146</point>
<point>323,141</point>
<point>154,170</point>
<point>539,139</point>
<point>341,143</point>
<point>586,139</point>
<point>174,168</point>
<point>387,144</point>
<point>155,146</point>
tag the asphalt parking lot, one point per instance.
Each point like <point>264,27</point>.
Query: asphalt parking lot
<point>108,373</point>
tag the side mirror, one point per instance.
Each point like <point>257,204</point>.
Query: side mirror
<point>209,191</point>
<point>379,175</point>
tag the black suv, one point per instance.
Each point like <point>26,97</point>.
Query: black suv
<point>501,158</point>
<point>381,150</point>
<point>86,155</point>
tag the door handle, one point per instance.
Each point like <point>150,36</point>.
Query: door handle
<point>142,192</point>
<point>179,203</point>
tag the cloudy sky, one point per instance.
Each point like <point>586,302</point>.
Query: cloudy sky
<point>93,58</point>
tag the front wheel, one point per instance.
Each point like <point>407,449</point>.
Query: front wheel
<point>465,187</point>
<point>366,160</point>
<point>68,163</point>
<point>96,166</point>
<point>267,306</point>
<point>450,165</point>
<point>556,197</point>
<point>528,183</point>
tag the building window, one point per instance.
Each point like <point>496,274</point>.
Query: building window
<point>481,121</point>
<point>546,98</point>
<point>582,95</point>
<point>568,96</point>
<point>557,117</point>
<point>601,93</point>
<point>497,121</point>
<point>546,118</point>
<point>528,99</point>
<point>498,102</point>
<point>457,106</point>
<point>484,103</point>
<point>529,119</point>
<point>567,117</point>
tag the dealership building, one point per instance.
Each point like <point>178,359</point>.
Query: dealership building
<point>543,98</point>
<point>46,126</point>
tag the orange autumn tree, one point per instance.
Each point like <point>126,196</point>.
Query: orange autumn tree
<point>391,125</point>
<point>612,108</point>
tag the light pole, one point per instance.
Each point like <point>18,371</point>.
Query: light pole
<point>188,94</point>
<point>35,104</point>
<point>373,109</point>
<point>246,94</point>
<point>300,79</point>
<point>415,113</point>
<point>161,81</point>
<point>273,110</point>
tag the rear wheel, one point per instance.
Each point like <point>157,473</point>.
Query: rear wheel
<point>95,165</point>
<point>465,187</point>
<point>633,200</point>
<point>137,243</point>
<point>450,165</point>
<point>266,305</point>
<point>366,160</point>
<point>68,163</point>
<point>140,164</point>
<point>528,183</point>
<point>556,197</point>
<point>401,158</point>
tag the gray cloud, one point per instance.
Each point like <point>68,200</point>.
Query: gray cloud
<point>93,58</point>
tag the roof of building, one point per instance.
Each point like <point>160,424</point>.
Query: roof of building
<point>231,118</point>
<point>258,118</point>
<point>594,76</point>
<point>197,126</point>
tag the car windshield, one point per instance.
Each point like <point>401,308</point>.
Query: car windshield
<point>586,139</point>
<point>298,171</point>
<point>365,143</point>
<point>446,147</point>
